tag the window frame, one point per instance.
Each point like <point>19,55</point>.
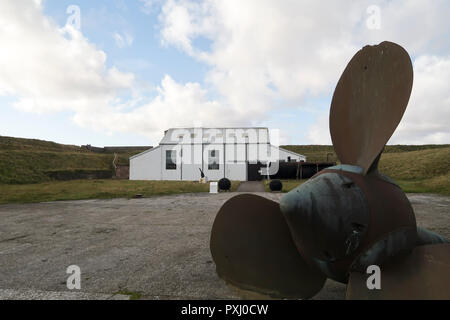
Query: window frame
<point>171,165</point>
<point>214,160</point>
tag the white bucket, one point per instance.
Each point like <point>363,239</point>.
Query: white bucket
<point>213,188</point>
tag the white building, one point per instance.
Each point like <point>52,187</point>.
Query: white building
<point>234,153</point>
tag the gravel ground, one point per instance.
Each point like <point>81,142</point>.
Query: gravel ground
<point>157,247</point>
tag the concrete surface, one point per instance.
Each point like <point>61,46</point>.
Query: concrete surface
<point>31,294</point>
<point>158,247</point>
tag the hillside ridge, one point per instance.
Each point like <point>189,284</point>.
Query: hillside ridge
<point>27,161</point>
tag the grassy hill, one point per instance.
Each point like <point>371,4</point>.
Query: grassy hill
<point>424,168</point>
<point>10,143</point>
<point>25,161</point>
<point>319,153</point>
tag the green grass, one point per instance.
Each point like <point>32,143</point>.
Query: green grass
<point>314,153</point>
<point>422,171</point>
<point>10,143</point>
<point>438,185</point>
<point>25,161</point>
<point>124,158</point>
<point>25,167</point>
<point>421,164</point>
<point>288,185</point>
<point>97,189</point>
<point>131,294</point>
<point>318,153</point>
<point>416,169</point>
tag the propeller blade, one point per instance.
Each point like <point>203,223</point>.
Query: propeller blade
<point>429,237</point>
<point>369,101</point>
<point>423,274</point>
<point>253,250</point>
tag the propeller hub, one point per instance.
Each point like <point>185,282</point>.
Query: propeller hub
<point>328,216</point>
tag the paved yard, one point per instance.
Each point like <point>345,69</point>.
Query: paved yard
<point>158,247</point>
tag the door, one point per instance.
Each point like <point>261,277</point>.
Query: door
<point>253,170</point>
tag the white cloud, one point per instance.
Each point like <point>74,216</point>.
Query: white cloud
<point>124,40</point>
<point>51,69</point>
<point>149,6</point>
<point>318,132</point>
<point>261,50</point>
<point>427,118</point>
<point>176,105</point>
<point>264,53</point>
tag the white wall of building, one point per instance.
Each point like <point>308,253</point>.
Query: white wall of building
<point>235,167</point>
<point>170,174</point>
<point>146,165</point>
<point>191,162</point>
<point>213,174</point>
<point>232,156</point>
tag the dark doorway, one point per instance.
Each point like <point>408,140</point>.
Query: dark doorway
<point>253,171</point>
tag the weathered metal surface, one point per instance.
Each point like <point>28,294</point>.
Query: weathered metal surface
<point>428,237</point>
<point>369,101</point>
<point>253,249</point>
<point>348,168</point>
<point>397,242</point>
<point>342,220</point>
<point>346,217</point>
<point>423,274</point>
<point>328,216</point>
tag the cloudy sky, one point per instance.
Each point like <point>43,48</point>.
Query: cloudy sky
<point>116,72</point>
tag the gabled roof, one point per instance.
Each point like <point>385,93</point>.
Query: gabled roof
<point>142,153</point>
<point>292,152</point>
<point>172,136</point>
<point>216,135</point>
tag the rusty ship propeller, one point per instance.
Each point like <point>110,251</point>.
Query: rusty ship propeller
<point>346,217</point>
<point>253,249</point>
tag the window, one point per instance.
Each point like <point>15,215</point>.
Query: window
<point>171,159</point>
<point>213,160</point>
<point>231,138</point>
